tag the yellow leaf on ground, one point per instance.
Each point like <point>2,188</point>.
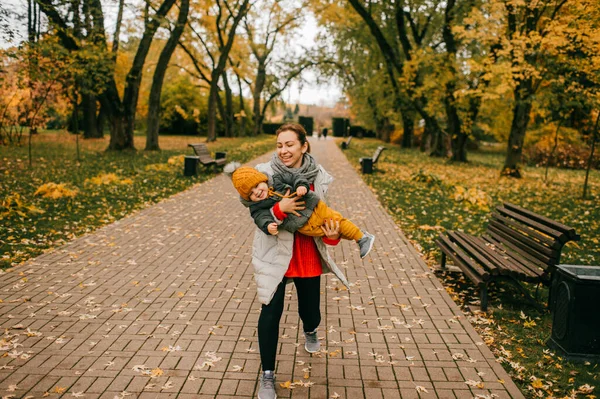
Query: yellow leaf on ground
<point>157,372</point>
<point>537,384</point>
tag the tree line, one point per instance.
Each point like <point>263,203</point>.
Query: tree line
<point>213,44</point>
<point>442,62</point>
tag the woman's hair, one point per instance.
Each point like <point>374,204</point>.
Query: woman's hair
<point>296,128</point>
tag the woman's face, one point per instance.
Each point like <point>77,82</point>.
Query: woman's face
<point>289,149</point>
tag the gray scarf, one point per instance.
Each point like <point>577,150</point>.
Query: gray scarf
<point>308,170</point>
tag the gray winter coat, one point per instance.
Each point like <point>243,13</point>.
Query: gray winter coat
<point>271,255</point>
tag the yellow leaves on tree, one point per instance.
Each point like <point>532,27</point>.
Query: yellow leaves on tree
<point>55,191</point>
<point>107,179</point>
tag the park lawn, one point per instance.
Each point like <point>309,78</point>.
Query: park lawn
<point>430,195</point>
<point>105,186</point>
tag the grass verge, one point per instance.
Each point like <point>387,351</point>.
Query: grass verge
<point>427,196</point>
<point>96,190</point>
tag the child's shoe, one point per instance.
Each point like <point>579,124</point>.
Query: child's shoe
<point>366,244</point>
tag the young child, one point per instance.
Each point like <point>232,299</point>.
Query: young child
<point>252,186</point>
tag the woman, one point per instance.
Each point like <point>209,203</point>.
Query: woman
<point>278,259</point>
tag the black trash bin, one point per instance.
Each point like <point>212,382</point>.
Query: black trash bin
<point>367,165</point>
<point>575,321</point>
<point>190,165</point>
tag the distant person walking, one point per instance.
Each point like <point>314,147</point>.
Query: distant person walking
<point>286,257</point>
<point>325,133</point>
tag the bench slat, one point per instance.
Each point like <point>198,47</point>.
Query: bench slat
<point>529,245</point>
<point>460,257</point>
<point>527,231</point>
<point>569,231</point>
<point>378,153</point>
<point>532,223</point>
<point>204,156</point>
<point>451,252</point>
<point>497,254</point>
<point>465,243</point>
<point>511,263</point>
<point>523,241</point>
<point>516,252</point>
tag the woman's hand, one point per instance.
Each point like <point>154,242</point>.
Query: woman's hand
<point>291,205</point>
<point>331,228</point>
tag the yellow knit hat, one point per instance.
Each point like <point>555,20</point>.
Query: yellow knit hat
<point>245,179</point>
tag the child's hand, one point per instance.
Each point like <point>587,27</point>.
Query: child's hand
<point>272,228</point>
<point>301,191</point>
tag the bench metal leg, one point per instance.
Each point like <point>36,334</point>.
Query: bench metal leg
<point>526,294</point>
<point>443,261</point>
<point>483,296</point>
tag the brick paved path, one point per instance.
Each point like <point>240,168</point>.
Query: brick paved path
<point>162,304</point>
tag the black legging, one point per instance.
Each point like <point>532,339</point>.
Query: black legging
<point>308,290</point>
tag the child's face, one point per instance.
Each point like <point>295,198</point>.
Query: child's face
<point>259,192</point>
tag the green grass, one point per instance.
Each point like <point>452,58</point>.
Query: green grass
<point>422,194</point>
<point>150,178</point>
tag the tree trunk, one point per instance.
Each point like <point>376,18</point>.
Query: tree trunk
<point>101,121</point>
<point>425,139</point>
<point>458,137</point>
<point>242,109</point>
<point>591,158</point>
<point>90,120</point>
<point>115,44</point>
<point>387,130</point>
<point>259,85</point>
<point>218,70</point>
<point>459,148</point>
<point>438,145</point>
<point>159,76</point>
<point>212,107</point>
<point>134,77</point>
<point>518,129</point>
<point>221,109</point>
<point>408,127</point>
<point>228,117</point>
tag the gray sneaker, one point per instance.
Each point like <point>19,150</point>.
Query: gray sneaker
<point>267,386</point>
<point>366,244</point>
<point>312,344</point>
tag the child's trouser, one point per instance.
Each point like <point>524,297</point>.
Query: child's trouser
<point>321,213</point>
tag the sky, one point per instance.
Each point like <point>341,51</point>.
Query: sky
<point>311,93</point>
<point>308,93</point>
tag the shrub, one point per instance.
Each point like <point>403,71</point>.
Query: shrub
<point>571,153</point>
<point>425,177</point>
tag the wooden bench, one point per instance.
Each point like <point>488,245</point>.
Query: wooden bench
<point>369,163</point>
<point>205,158</point>
<point>346,144</point>
<point>518,245</point>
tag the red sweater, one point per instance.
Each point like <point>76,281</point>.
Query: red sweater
<point>306,261</point>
